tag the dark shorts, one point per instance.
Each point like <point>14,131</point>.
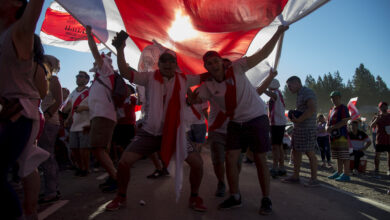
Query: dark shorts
<point>144,143</point>
<point>382,148</point>
<point>123,133</point>
<point>101,132</point>
<point>277,134</point>
<point>197,134</point>
<point>78,139</point>
<point>253,134</point>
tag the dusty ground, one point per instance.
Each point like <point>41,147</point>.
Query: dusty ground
<point>365,184</point>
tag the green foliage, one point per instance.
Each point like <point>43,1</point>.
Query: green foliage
<point>364,85</point>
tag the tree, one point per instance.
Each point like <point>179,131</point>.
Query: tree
<point>365,86</point>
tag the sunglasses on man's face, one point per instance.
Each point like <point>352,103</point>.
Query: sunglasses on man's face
<point>81,76</point>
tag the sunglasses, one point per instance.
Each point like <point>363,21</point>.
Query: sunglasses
<point>81,76</point>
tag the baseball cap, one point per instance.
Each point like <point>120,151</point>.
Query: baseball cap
<point>274,84</point>
<point>210,54</point>
<point>335,93</point>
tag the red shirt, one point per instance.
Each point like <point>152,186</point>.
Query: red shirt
<point>382,137</point>
<point>129,110</point>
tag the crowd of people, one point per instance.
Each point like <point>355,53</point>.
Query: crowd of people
<point>99,120</point>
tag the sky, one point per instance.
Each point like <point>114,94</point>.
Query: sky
<point>336,37</point>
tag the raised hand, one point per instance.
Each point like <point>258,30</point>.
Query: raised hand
<point>119,41</point>
<point>88,29</point>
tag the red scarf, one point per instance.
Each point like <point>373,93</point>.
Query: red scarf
<point>172,119</point>
<point>230,100</point>
<point>196,113</point>
<point>79,99</point>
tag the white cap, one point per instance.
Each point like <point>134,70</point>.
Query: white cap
<point>274,84</point>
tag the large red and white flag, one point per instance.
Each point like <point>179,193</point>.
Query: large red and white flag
<point>353,111</point>
<point>234,28</point>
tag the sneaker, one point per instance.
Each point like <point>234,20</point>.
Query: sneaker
<point>116,203</point>
<point>330,165</point>
<point>196,203</point>
<point>290,162</point>
<point>282,172</point>
<point>388,173</point>
<point>323,165</point>
<point>156,174</point>
<point>355,172</point>
<point>221,188</point>
<point>312,183</point>
<point>266,206</point>
<point>230,203</point>
<point>49,199</point>
<point>343,178</point>
<point>108,182</point>
<point>334,175</point>
<point>165,172</point>
<point>112,187</point>
<point>273,173</point>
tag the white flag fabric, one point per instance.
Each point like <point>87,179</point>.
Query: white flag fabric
<point>234,28</point>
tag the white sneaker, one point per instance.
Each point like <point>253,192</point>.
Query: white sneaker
<point>355,172</point>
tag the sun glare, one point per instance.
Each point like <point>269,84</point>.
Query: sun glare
<point>182,28</point>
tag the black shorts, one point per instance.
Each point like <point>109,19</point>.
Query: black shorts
<point>123,133</point>
<point>277,134</point>
<point>253,134</point>
<point>382,148</point>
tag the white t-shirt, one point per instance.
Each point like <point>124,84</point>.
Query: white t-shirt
<point>190,115</point>
<point>80,120</point>
<point>249,103</point>
<point>214,110</point>
<point>277,110</point>
<point>100,101</point>
<point>154,117</point>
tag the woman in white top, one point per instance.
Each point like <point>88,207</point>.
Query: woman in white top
<point>276,109</point>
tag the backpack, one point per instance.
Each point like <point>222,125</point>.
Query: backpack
<point>119,91</point>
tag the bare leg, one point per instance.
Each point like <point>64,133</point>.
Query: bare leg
<point>156,161</point>
<point>31,186</point>
<point>297,163</point>
<point>339,166</point>
<point>195,162</point>
<point>232,170</point>
<point>275,156</point>
<point>262,172</point>
<point>84,158</point>
<point>219,170</point>
<point>377,160</point>
<point>105,161</point>
<point>281,156</point>
<point>123,177</point>
<point>346,167</point>
<point>76,157</point>
<point>313,164</point>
